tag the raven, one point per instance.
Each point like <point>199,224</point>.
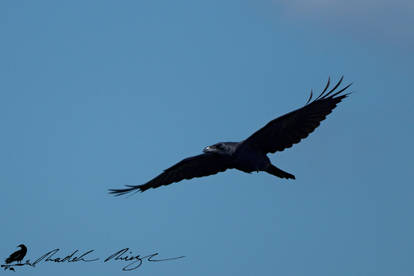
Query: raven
<point>250,155</point>
<point>18,255</point>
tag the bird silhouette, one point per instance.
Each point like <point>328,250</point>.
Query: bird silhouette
<point>250,154</point>
<point>18,255</point>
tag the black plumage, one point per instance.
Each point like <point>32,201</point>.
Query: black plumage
<point>18,255</point>
<point>250,155</point>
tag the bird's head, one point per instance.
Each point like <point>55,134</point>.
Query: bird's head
<point>216,148</point>
<point>220,148</point>
<point>21,246</point>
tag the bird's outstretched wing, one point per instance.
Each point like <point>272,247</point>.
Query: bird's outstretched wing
<point>289,129</point>
<point>196,166</point>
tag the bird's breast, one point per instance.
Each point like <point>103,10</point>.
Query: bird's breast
<point>248,159</point>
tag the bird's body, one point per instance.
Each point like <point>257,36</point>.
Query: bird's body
<point>250,155</point>
<point>248,160</point>
<point>18,255</point>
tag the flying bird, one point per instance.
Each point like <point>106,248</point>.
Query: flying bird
<point>251,154</point>
<point>18,255</point>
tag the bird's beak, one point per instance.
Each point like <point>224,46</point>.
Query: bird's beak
<point>206,149</point>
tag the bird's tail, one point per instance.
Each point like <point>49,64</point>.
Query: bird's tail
<point>9,260</point>
<point>278,172</point>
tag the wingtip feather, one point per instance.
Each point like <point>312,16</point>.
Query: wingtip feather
<point>324,90</point>
<point>310,97</point>
<point>326,95</point>
<point>130,189</point>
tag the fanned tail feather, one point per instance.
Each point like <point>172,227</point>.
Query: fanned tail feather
<point>278,172</point>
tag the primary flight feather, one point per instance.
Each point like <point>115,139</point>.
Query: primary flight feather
<point>250,155</point>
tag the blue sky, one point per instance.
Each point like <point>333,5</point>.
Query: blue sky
<point>99,94</point>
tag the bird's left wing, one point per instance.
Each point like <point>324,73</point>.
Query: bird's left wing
<point>196,166</point>
<point>289,129</point>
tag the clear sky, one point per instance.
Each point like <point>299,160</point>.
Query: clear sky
<point>98,94</point>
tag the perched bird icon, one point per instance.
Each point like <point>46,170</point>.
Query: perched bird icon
<point>18,255</point>
<point>251,154</point>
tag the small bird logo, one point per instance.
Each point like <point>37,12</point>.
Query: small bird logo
<point>18,255</point>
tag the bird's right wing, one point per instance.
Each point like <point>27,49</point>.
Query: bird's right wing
<point>196,166</point>
<point>289,129</point>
